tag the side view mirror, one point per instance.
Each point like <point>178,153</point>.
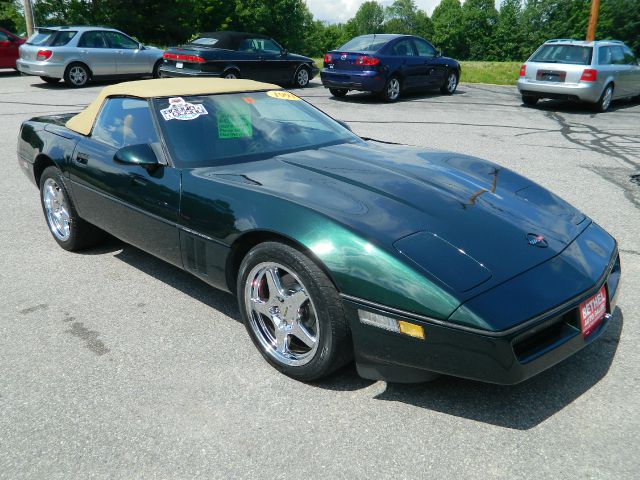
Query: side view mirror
<point>284,51</point>
<point>345,125</point>
<point>439,52</point>
<point>141,155</point>
<point>140,46</point>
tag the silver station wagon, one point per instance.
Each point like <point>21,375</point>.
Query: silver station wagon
<point>80,54</point>
<point>595,72</point>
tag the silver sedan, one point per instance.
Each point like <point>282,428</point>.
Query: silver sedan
<point>80,54</point>
<point>595,72</point>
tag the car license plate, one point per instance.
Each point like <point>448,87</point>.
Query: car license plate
<point>179,65</point>
<point>593,311</point>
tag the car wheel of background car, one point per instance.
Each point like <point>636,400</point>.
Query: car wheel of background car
<point>529,100</point>
<point>338,92</point>
<point>232,75</point>
<point>156,69</point>
<point>391,91</point>
<point>68,229</point>
<point>76,75</point>
<point>302,77</point>
<point>604,103</point>
<point>50,79</point>
<point>450,84</point>
<point>292,312</point>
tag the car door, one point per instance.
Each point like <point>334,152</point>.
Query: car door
<point>634,70</point>
<point>410,64</point>
<point>95,52</point>
<point>433,67</point>
<point>274,65</point>
<point>133,203</point>
<point>248,59</point>
<point>129,57</point>
<point>7,51</point>
<point>623,72</point>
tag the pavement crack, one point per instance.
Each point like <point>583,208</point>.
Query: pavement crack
<point>35,308</point>
<point>620,178</point>
<point>90,338</point>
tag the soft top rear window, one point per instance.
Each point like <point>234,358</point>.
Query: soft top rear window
<point>51,38</point>
<point>573,54</point>
<point>365,43</point>
<point>206,41</point>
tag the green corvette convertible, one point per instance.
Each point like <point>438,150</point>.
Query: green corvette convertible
<point>410,261</point>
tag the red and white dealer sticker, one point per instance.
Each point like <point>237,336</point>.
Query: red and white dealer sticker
<point>593,311</point>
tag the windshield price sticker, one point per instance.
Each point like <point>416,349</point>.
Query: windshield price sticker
<point>181,110</point>
<point>282,95</point>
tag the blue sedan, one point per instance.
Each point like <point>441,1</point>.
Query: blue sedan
<point>388,64</point>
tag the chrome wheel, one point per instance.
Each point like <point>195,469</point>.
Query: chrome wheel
<point>393,89</point>
<point>56,209</point>
<point>231,76</point>
<point>452,83</point>
<point>302,78</point>
<point>606,98</point>
<point>78,75</point>
<point>281,314</point>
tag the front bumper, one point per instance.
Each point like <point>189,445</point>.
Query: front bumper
<point>502,357</point>
<point>583,91</point>
<point>365,81</point>
<point>40,69</point>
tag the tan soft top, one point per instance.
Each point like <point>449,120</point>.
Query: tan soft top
<point>162,87</point>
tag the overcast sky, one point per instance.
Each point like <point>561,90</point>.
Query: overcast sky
<point>342,10</point>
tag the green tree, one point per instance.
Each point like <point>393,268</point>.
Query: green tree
<point>424,25</point>
<point>401,17</point>
<point>620,20</point>
<point>10,16</point>
<point>479,18</point>
<point>507,35</point>
<point>448,30</point>
<point>368,19</point>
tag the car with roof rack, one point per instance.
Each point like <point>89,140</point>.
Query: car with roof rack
<point>596,72</point>
<point>79,54</point>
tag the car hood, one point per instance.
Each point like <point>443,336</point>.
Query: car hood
<point>482,216</point>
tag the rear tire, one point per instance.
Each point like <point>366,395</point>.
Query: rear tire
<point>68,229</point>
<point>603,104</point>
<point>50,79</point>
<point>231,74</point>
<point>392,89</point>
<point>529,101</point>
<point>77,75</point>
<point>338,92</point>
<point>156,70</point>
<point>292,312</point>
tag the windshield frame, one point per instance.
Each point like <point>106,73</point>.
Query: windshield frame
<point>251,157</point>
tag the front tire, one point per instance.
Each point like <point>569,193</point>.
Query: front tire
<point>77,75</point>
<point>603,104</point>
<point>529,101</point>
<point>450,84</point>
<point>392,90</point>
<point>292,312</point>
<point>50,79</point>
<point>338,92</point>
<point>68,229</point>
<point>302,77</point>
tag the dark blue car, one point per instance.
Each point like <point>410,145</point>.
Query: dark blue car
<point>388,64</point>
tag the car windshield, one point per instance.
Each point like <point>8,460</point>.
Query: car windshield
<point>365,43</point>
<point>213,130</point>
<point>574,54</point>
<point>40,37</point>
<point>209,42</point>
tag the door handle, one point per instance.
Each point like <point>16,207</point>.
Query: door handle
<point>83,51</point>
<point>82,158</point>
<point>139,181</point>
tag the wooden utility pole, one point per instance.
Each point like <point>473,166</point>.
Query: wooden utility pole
<point>593,20</point>
<point>28,16</point>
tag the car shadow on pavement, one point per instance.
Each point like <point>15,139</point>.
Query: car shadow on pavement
<point>10,72</point>
<point>578,108</point>
<point>371,98</point>
<point>522,406</point>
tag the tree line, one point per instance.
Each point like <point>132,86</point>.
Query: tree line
<point>473,30</point>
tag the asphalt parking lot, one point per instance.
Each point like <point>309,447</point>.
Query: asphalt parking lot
<point>114,364</point>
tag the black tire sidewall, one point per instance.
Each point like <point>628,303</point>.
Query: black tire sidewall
<point>295,79</point>
<point>156,69</point>
<point>333,329</point>
<point>385,91</point>
<point>338,92</point>
<point>599,104</point>
<point>54,173</point>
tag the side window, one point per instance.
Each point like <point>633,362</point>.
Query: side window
<point>630,58</point>
<point>118,40</point>
<point>4,37</point>
<point>403,49</point>
<point>92,40</point>
<point>617,56</point>
<point>604,56</point>
<point>62,38</point>
<point>247,45</point>
<point>424,49</point>
<point>268,45</point>
<point>125,121</point>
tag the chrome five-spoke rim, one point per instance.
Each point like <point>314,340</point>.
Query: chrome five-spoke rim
<point>452,83</point>
<point>303,77</point>
<point>606,101</point>
<point>394,88</point>
<point>78,75</point>
<point>281,314</point>
<point>56,209</point>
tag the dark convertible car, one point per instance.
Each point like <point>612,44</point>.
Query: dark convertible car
<point>388,64</point>
<point>238,55</point>
<point>412,261</point>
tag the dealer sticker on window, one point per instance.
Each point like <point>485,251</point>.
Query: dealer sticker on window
<point>282,95</point>
<point>181,110</point>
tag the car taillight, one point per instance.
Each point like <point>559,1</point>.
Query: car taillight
<point>328,58</point>
<point>44,55</point>
<point>523,70</point>
<point>367,60</point>
<point>589,75</point>
<point>183,58</point>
